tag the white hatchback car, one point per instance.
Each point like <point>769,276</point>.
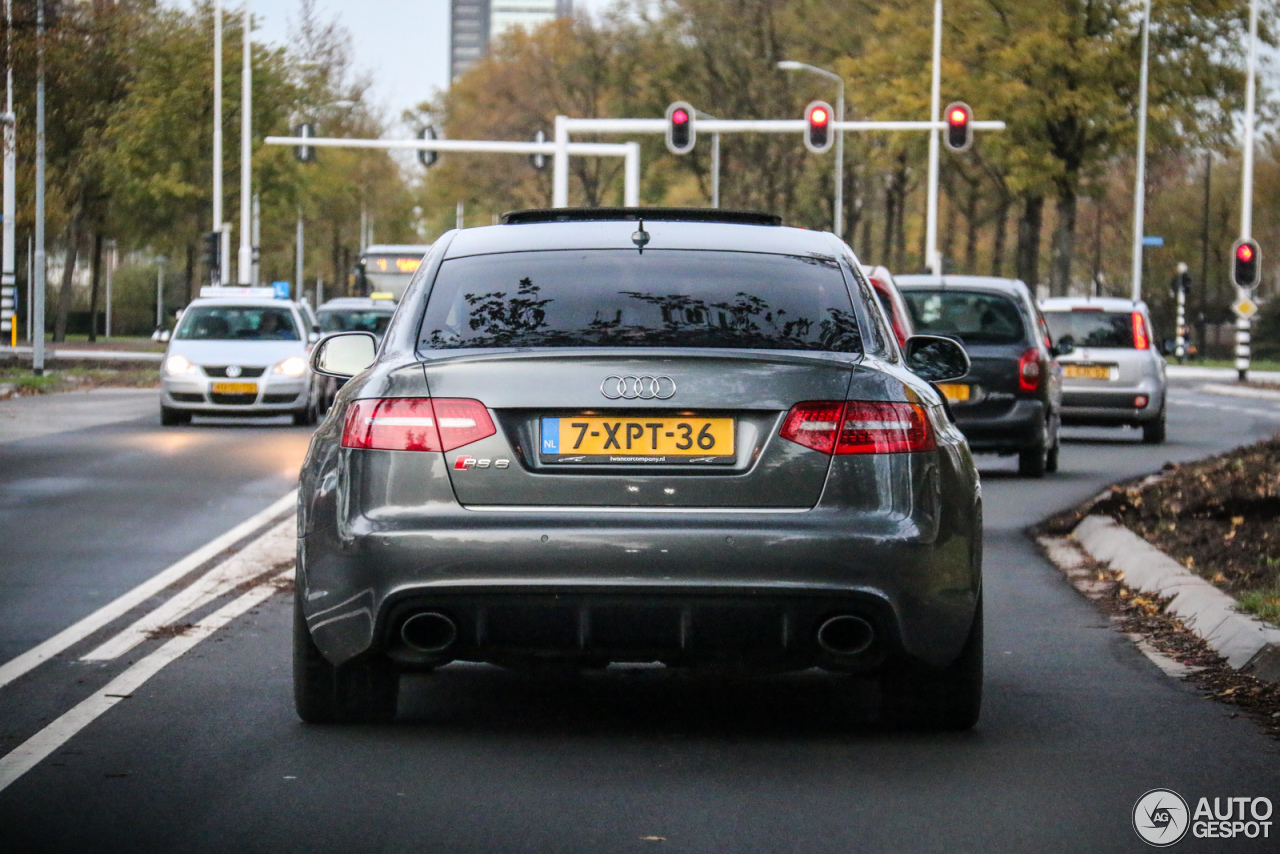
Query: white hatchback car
<point>238,356</point>
<point>1114,376</point>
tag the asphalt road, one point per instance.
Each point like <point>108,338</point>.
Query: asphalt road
<point>208,755</point>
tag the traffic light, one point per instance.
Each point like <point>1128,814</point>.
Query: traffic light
<point>818,136</point>
<point>680,131</point>
<point>959,133</point>
<point>427,158</point>
<point>1245,263</point>
<point>304,153</point>
<point>539,160</point>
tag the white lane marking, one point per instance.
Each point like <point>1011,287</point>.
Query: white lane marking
<point>72,635</point>
<point>35,749</point>
<point>276,546</point>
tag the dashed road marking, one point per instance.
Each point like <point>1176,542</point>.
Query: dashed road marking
<point>122,605</point>
<point>273,548</point>
<point>34,750</point>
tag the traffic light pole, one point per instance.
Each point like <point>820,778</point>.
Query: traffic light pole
<point>629,151</point>
<point>1243,323</point>
<point>565,126</point>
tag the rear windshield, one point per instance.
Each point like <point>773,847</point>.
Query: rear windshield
<point>354,320</point>
<point>237,323</point>
<point>971,316</point>
<point>1092,328</point>
<point>622,298</point>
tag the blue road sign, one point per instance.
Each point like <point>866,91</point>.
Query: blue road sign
<point>1150,240</point>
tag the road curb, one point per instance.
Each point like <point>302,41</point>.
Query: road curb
<point>1247,644</point>
<point>1240,391</point>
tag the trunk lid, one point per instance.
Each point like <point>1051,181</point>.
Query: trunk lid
<point>661,423</point>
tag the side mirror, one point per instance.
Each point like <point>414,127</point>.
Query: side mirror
<point>1064,347</point>
<point>344,354</point>
<point>313,337</point>
<point>935,358</point>
<point>165,335</point>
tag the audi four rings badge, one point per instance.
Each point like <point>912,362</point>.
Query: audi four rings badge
<point>638,388</point>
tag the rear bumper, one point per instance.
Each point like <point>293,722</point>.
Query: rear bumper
<point>1112,406</point>
<point>1020,426</point>
<point>680,585</point>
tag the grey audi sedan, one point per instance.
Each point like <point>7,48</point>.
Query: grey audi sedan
<point>640,435</point>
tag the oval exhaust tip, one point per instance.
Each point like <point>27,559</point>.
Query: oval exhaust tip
<point>846,635</point>
<point>430,631</point>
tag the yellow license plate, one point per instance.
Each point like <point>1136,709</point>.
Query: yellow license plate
<point>637,440</point>
<point>955,392</point>
<point>235,388</point>
<point>1087,372</point>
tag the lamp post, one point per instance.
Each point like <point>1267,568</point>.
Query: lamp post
<point>838,219</point>
<point>224,265</point>
<point>1140,178</point>
<point>931,258</point>
<point>245,265</point>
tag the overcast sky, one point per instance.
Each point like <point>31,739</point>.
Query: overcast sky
<point>403,43</point>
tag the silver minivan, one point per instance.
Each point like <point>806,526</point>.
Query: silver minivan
<point>1115,376</point>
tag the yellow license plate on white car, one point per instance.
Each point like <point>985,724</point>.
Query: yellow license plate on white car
<point>1087,372</point>
<point>235,388</point>
<point>637,440</point>
<point>954,392</point>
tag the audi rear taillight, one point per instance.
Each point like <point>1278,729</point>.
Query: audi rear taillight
<point>859,427</point>
<point>1141,340</point>
<point>814,424</point>
<point>415,424</point>
<point>1029,371</point>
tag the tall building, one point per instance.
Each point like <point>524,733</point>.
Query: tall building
<point>475,22</point>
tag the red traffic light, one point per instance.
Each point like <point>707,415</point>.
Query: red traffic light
<point>1245,267</point>
<point>959,133</point>
<point>817,136</point>
<point>681,133</point>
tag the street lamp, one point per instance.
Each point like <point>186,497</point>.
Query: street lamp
<point>789,65</point>
<point>1140,174</point>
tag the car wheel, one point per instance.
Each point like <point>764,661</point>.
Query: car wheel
<point>1033,462</point>
<point>917,696</point>
<point>1153,431</point>
<point>305,417</point>
<point>1051,458</point>
<point>173,417</point>
<point>357,692</point>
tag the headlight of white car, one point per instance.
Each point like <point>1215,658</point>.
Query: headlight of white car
<point>294,366</point>
<point>175,365</point>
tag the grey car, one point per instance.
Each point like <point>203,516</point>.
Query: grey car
<point>691,439</point>
<point>1114,376</point>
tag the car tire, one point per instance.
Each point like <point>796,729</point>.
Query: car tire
<point>364,691</point>
<point>1153,432</point>
<point>1033,462</point>
<point>173,417</point>
<point>305,417</point>
<point>917,696</point>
